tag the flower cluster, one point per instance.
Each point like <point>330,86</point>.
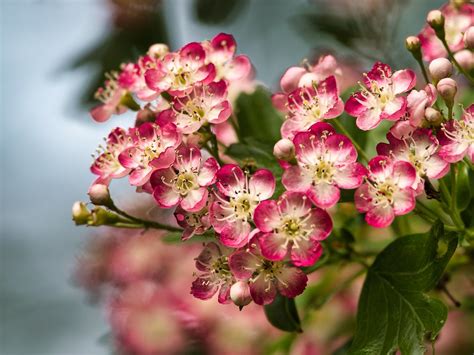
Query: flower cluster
<point>262,237</point>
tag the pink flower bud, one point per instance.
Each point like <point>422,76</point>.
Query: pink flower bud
<point>99,195</point>
<point>433,116</point>
<point>413,44</point>
<point>465,58</point>
<point>284,149</point>
<point>469,38</point>
<point>447,88</point>
<point>435,19</point>
<point>440,68</point>
<point>158,50</point>
<point>240,294</point>
<point>80,213</point>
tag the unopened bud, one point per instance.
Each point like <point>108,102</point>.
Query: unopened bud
<point>440,68</point>
<point>447,88</point>
<point>240,294</point>
<point>284,149</point>
<point>469,38</point>
<point>413,44</point>
<point>158,50</point>
<point>433,116</point>
<point>100,217</point>
<point>435,19</point>
<point>99,195</point>
<point>80,213</point>
<point>465,58</point>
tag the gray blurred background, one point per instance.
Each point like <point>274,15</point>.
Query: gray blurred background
<point>52,54</point>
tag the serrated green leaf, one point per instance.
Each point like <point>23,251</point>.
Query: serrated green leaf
<point>394,310</point>
<point>257,118</point>
<point>282,314</point>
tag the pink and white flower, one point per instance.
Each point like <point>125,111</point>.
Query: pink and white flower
<point>178,72</point>
<point>238,196</point>
<point>221,53</point>
<point>387,192</point>
<point>457,138</point>
<point>213,262</point>
<point>107,165</point>
<point>292,226</point>
<point>193,223</point>
<point>203,105</point>
<point>153,148</point>
<point>306,76</point>
<point>186,181</point>
<point>418,101</point>
<point>266,277</point>
<point>379,99</point>
<point>327,161</point>
<point>456,21</point>
<point>421,150</point>
<point>308,105</point>
<point>111,96</point>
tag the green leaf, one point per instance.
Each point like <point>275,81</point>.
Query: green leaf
<point>282,314</point>
<point>257,118</point>
<point>463,189</point>
<point>394,311</point>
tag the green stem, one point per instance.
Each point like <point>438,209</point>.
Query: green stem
<point>469,163</point>
<point>455,62</point>
<point>445,195</point>
<point>140,223</point>
<point>356,145</point>
<point>215,148</point>
<point>454,210</point>
<point>423,69</point>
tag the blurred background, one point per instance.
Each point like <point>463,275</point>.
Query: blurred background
<point>53,56</point>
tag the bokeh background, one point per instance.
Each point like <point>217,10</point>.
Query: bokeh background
<point>53,55</point>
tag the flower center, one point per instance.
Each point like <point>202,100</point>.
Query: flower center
<point>185,182</point>
<point>384,193</point>
<point>243,206</point>
<point>323,171</point>
<point>220,267</point>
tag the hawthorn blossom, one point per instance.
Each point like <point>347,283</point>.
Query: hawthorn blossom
<point>193,223</point>
<point>221,53</point>
<point>456,21</point>
<point>308,105</point>
<point>153,148</point>
<point>107,165</point>
<point>266,277</point>
<point>421,150</point>
<point>213,262</point>
<point>418,101</point>
<point>178,72</point>
<point>185,182</point>
<point>327,161</point>
<point>237,197</point>
<point>203,105</point>
<point>111,96</point>
<point>379,99</point>
<point>291,226</point>
<point>387,192</point>
<point>457,138</point>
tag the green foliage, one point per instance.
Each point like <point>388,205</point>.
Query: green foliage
<point>394,310</point>
<point>282,314</point>
<point>463,187</point>
<point>257,118</point>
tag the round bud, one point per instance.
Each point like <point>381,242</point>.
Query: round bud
<point>240,294</point>
<point>158,50</point>
<point>413,44</point>
<point>80,213</point>
<point>469,38</point>
<point>284,149</point>
<point>447,88</point>
<point>440,68</point>
<point>435,19</point>
<point>465,58</point>
<point>433,116</point>
<point>99,195</point>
